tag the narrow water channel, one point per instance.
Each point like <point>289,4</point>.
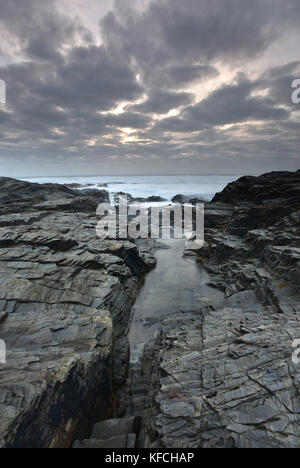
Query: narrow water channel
<point>177,284</point>
<point>174,285</point>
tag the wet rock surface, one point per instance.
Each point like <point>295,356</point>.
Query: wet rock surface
<point>112,433</point>
<point>190,199</point>
<point>136,200</point>
<point>273,186</point>
<point>222,374</point>
<point>65,302</point>
<point>211,333</point>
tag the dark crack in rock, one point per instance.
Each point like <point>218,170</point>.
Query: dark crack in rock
<point>65,302</point>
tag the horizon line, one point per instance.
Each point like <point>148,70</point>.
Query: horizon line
<point>135,175</point>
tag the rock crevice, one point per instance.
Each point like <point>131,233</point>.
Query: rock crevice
<point>65,302</point>
<point>223,375</point>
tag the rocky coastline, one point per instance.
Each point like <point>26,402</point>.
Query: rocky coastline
<point>65,305</point>
<point>218,375</point>
<point>223,375</point>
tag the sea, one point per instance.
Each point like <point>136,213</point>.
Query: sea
<point>165,186</point>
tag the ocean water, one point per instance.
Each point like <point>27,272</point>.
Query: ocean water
<point>204,186</point>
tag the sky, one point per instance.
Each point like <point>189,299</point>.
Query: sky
<point>149,87</point>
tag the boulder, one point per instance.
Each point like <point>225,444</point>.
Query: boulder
<point>190,199</point>
<point>267,188</point>
<point>20,196</point>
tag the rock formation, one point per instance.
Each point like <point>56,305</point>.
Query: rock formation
<point>219,374</point>
<point>189,199</point>
<point>223,375</point>
<point>65,302</point>
<point>136,200</point>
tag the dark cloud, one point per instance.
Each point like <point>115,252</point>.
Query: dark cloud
<point>63,85</point>
<point>172,31</point>
<point>162,102</point>
<point>87,83</point>
<point>177,75</point>
<point>92,77</point>
<point>127,119</point>
<point>278,81</point>
<point>38,29</point>
<point>233,103</point>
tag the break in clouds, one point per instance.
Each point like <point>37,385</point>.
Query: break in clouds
<point>149,86</point>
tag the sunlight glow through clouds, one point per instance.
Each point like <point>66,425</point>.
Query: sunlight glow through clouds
<point>159,83</point>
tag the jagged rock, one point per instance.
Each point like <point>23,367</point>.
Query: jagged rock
<point>223,375</point>
<point>65,302</point>
<point>131,199</point>
<point>155,198</point>
<point>76,205</point>
<point>19,196</point>
<point>101,196</point>
<point>115,427</point>
<point>267,188</point>
<point>119,442</point>
<point>182,199</point>
<point>123,195</point>
<point>112,433</point>
<point>12,190</point>
<point>220,374</point>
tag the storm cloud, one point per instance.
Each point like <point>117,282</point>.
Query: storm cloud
<point>159,86</point>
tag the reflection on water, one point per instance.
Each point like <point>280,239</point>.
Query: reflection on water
<point>175,285</point>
